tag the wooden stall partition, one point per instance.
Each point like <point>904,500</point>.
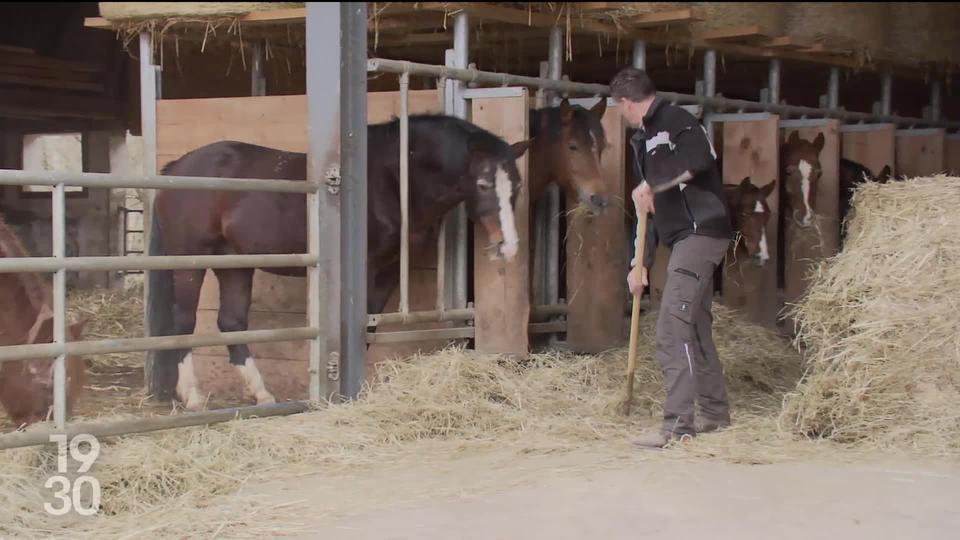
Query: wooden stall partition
<point>751,149</point>
<point>501,289</point>
<point>920,152</point>
<point>597,257</point>
<point>870,145</point>
<point>952,154</point>
<point>277,301</point>
<point>803,248</point>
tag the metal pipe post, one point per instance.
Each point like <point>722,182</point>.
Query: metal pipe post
<point>833,89</point>
<point>461,48</point>
<point>404,193</point>
<point>540,213</point>
<point>552,252</point>
<point>258,79</point>
<point>323,29</point>
<point>59,307</point>
<point>555,62</point>
<point>353,233</point>
<point>886,94</point>
<point>709,87</point>
<point>773,83</point>
<point>640,54</point>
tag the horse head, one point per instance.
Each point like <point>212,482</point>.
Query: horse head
<point>32,379</point>
<point>801,176</point>
<point>751,214</point>
<point>494,184</point>
<point>573,149</point>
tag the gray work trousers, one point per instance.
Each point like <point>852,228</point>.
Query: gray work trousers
<point>685,350</point>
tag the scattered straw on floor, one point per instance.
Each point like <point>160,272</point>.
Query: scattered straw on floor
<point>110,314</point>
<point>449,402</point>
<point>881,324</point>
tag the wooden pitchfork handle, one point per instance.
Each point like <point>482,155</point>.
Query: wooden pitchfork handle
<point>635,314</point>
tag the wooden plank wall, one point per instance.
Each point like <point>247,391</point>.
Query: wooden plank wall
<point>597,257</point>
<point>277,302</point>
<point>952,157</point>
<point>873,148</point>
<point>804,248</point>
<point>751,149</point>
<point>920,152</point>
<point>502,298</point>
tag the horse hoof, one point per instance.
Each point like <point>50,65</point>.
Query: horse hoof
<point>266,399</point>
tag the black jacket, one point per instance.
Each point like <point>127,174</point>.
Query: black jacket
<point>670,142</point>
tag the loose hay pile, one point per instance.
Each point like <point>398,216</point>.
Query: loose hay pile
<point>454,401</point>
<point>111,314</point>
<point>881,324</point>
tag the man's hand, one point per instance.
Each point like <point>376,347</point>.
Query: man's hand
<point>637,279</point>
<point>643,199</point>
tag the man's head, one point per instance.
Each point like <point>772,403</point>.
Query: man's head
<point>634,92</point>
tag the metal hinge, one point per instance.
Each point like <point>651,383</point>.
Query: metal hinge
<point>333,367</point>
<point>333,179</point>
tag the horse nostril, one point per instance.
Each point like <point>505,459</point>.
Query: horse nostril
<point>598,201</point>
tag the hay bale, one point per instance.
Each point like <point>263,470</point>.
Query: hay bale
<point>881,324</point>
<point>860,26</point>
<point>770,15</point>
<point>159,484</point>
<point>127,11</point>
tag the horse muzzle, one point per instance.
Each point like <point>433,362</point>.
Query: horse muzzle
<point>804,222</point>
<point>594,203</point>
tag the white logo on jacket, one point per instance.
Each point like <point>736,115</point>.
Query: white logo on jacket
<point>660,139</point>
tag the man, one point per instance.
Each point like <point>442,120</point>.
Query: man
<point>683,191</point>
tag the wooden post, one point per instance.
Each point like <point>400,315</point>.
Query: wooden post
<point>920,152</point>
<point>596,256</point>
<point>501,289</point>
<point>751,149</point>
<point>804,247</point>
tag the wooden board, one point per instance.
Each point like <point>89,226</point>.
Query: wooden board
<point>502,299</point>
<point>277,301</point>
<point>596,257</point>
<point>873,148</point>
<point>920,152</point>
<point>952,155</point>
<point>750,148</point>
<point>804,248</point>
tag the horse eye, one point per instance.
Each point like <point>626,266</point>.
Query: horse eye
<point>573,147</point>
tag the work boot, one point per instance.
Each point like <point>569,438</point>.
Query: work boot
<point>657,439</point>
<point>712,424</point>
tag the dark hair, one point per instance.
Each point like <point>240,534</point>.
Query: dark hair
<point>633,84</point>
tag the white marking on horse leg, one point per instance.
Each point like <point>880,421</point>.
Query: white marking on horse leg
<point>805,169</point>
<point>187,389</point>
<point>511,239</point>
<point>251,376</point>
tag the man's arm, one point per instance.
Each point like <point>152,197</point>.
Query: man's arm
<point>691,150</point>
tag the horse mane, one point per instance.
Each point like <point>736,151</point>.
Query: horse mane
<point>32,287</point>
<point>546,122</point>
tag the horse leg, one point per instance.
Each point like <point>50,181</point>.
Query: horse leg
<point>236,287</point>
<point>187,284</point>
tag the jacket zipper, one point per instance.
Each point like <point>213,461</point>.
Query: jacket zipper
<point>687,208</point>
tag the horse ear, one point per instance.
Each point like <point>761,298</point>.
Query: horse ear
<point>600,108</point>
<point>517,149</point>
<point>768,189</point>
<point>794,138</point>
<point>77,328</point>
<point>566,111</point>
<point>819,141</point>
<point>745,183</point>
<point>885,174</point>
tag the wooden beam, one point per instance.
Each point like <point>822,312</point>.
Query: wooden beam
<point>45,104</point>
<point>39,82</point>
<point>29,60</point>
<point>736,33</point>
<point>593,7</point>
<point>648,20</point>
<point>273,16</point>
<point>790,43</point>
<point>16,50</point>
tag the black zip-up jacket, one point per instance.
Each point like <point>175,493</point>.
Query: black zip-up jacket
<point>670,142</point>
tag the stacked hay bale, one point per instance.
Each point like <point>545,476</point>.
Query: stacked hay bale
<point>881,324</point>
<point>858,26</point>
<point>770,15</point>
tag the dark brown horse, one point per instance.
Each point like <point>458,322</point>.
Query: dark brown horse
<point>852,174</point>
<point>568,144</point>
<point>451,161</point>
<point>750,215</point>
<point>800,178</point>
